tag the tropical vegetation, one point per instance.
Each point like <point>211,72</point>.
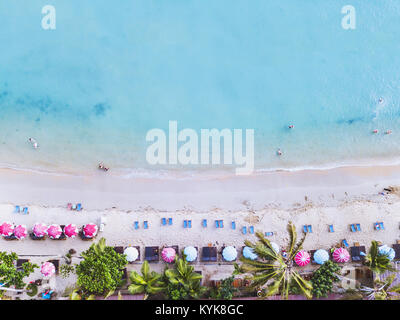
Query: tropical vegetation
<point>376,262</point>
<point>323,278</point>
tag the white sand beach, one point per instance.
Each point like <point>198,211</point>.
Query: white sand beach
<point>266,201</point>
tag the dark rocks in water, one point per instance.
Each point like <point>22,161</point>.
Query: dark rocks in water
<point>100,109</point>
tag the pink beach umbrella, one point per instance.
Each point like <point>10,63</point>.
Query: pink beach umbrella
<point>48,269</point>
<point>54,231</point>
<point>71,230</point>
<point>302,258</point>
<point>341,255</point>
<point>39,230</point>
<point>90,230</point>
<point>168,254</point>
<point>20,232</point>
<point>6,229</point>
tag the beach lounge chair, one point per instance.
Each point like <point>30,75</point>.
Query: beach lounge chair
<point>145,225</point>
<point>209,254</point>
<point>216,223</point>
<point>221,223</point>
<point>358,227</point>
<point>377,226</point>
<point>309,228</point>
<point>17,209</point>
<point>357,253</point>
<point>185,223</point>
<point>345,243</point>
<point>269,234</point>
<point>382,226</point>
<point>204,223</point>
<point>25,211</point>
<point>244,230</point>
<point>305,229</point>
<point>164,221</point>
<point>189,223</point>
<point>170,221</point>
<point>151,254</point>
<point>233,225</point>
<point>78,207</point>
<point>331,228</point>
<point>136,224</point>
<point>251,229</point>
<point>352,228</point>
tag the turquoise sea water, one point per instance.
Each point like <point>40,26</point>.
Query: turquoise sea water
<point>112,70</point>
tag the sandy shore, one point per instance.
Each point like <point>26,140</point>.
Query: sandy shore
<point>267,202</point>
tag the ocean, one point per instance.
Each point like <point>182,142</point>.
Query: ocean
<point>91,89</point>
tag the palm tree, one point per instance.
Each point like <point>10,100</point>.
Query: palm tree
<point>382,290</point>
<point>376,262</point>
<point>148,282</point>
<point>183,278</point>
<point>275,271</point>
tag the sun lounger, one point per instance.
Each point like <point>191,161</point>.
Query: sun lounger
<point>305,229</point>
<point>17,209</point>
<point>345,243</point>
<point>251,229</point>
<point>170,221</point>
<point>209,254</point>
<point>377,226</point>
<point>136,224</point>
<point>189,223</point>
<point>164,221</point>
<point>357,253</point>
<point>233,225</point>
<point>358,227</point>
<point>151,254</point>
<point>221,223</point>
<point>244,230</point>
<point>309,228</point>
<point>216,223</point>
<point>204,223</point>
<point>185,223</point>
<point>145,225</point>
<point>78,207</point>
<point>382,226</point>
<point>331,228</point>
<point>269,234</point>
<point>25,210</point>
<point>352,228</point>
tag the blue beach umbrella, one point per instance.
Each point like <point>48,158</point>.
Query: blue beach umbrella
<point>229,253</point>
<point>248,253</point>
<point>387,251</point>
<point>190,253</point>
<point>321,256</point>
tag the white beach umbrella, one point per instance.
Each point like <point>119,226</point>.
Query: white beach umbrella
<point>275,247</point>
<point>131,254</point>
<point>229,253</point>
<point>190,253</point>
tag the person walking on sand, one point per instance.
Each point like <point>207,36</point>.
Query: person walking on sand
<point>34,143</point>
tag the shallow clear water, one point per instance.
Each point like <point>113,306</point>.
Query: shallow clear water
<point>91,89</point>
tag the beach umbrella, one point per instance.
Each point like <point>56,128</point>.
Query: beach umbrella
<point>321,256</point>
<point>6,229</point>
<point>90,230</point>
<point>20,232</point>
<point>302,258</point>
<point>48,269</point>
<point>71,230</point>
<point>275,247</point>
<point>39,230</point>
<point>190,253</point>
<point>131,254</point>
<point>229,253</point>
<point>54,231</point>
<point>387,251</point>
<point>341,255</point>
<point>168,254</point>
<point>248,253</point>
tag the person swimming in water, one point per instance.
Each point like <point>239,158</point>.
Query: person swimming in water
<point>102,167</point>
<point>34,143</point>
<point>380,100</point>
<point>279,152</point>
<point>291,126</point>
<point>388,132</point>
<point>375,131</point>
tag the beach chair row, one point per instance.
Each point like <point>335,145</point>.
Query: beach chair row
<point>354,227</point>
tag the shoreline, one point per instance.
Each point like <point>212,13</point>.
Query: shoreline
<point>279,189</point>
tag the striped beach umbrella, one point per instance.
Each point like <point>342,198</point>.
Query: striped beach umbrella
<point>341,255</point>
<point>131,254</point>
<point>54,231</point>
<point>39,230</point>
<point>20,231</point>
<point>229,253</point>
<point>90,230</point>
<point>321,256</point>
<point>387,251</point>
<point>249,253</point>
<point>302,258</point>
<point>6,229</point>
<point>168,254</point>
<point>48,269</point>
<point>191,253</point>
<point>71,230</point>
